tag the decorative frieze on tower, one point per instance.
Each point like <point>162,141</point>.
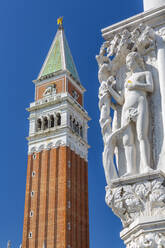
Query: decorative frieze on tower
<point>56,202</point>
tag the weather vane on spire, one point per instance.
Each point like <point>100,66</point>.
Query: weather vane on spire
<point>60,21</point>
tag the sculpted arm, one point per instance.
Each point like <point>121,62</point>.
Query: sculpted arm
<point>148,86</point>
<point>118,98</point>
<point>149,82</point>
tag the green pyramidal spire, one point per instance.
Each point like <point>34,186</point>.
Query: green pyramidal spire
<point>59,57</point>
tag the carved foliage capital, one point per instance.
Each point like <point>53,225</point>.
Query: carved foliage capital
<point>129,202</point>
<point>149,240</point>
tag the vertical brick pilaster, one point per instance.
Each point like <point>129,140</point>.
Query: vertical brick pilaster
<point>38,198</point>
<point>43,198</point>
<point>56,195</point>
<point>73,190</point>
<point>61,207</point>
<point>71,196</point>
<point>86,208</point>
<point>78,197</point>
<point>25,240</point>
<point>52,198</point>
<point>33,208</point>
<point>47,196</point>
<point>81,205</point>
<point>83,198</point>
<point>68,197</point>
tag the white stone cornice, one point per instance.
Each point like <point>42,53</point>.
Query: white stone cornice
<point>48,79</point>
<point>58,75</point>
<point>131,22</point>
<point>66,140</point>
<point>59,98</point>
<point>56,132</point>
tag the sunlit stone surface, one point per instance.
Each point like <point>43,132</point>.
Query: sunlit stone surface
<point>132,119</point>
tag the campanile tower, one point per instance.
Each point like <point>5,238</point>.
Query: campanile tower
<point>56,201</point>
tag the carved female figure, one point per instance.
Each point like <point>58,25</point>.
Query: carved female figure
<point>135,112</point>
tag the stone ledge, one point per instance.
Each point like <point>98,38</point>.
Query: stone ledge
<point>144,225</point>
<point>139,197</point>
<point>145,230</point>
<point>137,178</point>
<point>131,22</point>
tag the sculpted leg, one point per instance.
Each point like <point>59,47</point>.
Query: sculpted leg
<point>105,120</point>
<point>142,135</point>
<point>129,146</point>
<point>145,151</point>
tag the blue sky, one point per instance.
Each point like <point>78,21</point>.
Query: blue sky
<point>27,30</point>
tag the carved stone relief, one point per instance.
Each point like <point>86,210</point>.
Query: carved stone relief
<point>132,120</point>
<point>140,199</point>
<point>128,92</point>
<point>149,240</point>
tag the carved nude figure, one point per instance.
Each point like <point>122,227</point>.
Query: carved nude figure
<point>135,109</point>
<point>135,112</point>
<point>105,104</point>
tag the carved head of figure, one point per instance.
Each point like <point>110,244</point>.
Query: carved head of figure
<point>134,60</point>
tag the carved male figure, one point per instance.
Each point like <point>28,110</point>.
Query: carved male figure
<point>104,96</point>
<point>135,112</point>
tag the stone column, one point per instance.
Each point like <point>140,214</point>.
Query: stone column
<point>137,196</point>
<point>161,71</point>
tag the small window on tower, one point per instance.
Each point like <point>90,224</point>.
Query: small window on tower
<point>31,213</point>
<point>69,226</point>
<point>32,193</point>
<point>69,204</point>
<point>30,235</point>
<point>69,184</point>
<point>34,156</point>
<point>69,164</point>
<point>33,174</point>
